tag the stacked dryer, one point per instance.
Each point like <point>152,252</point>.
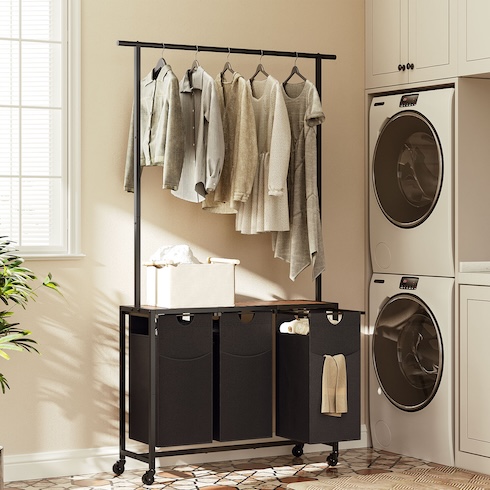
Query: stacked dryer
<point>411,305</point>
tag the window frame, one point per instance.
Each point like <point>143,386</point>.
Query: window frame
<point>71,138</point>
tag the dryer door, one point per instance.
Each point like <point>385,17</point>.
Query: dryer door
<point>407,352</point>
<point>407,169</point>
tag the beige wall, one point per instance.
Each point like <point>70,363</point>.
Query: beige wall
<point>67,398</point>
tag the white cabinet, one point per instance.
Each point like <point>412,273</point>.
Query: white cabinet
<point>474,44</point>
<point>474,357</point>
<point>410,41</point>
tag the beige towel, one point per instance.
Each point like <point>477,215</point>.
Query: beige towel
<point>334,385</point>
<point>341,391</point>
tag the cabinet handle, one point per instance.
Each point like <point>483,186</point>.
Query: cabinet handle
<point>401,67</point>
<point>410,66</point>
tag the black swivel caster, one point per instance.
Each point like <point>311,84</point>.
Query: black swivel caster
<point>297,450</point>
<point>118,467</point>
<point>149,477</point>
<point>332,459</point>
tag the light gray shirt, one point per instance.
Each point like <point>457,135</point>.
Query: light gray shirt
<point>204,144</point>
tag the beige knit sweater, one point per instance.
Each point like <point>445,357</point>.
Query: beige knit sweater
<point>267,209</point>
<point>241,155</point>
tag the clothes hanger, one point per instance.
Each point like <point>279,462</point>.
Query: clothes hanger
<point>294,71</point>
<point>227,66</point>
<point>195,63</point>
<point>260,69</point>
<point>160,64</point>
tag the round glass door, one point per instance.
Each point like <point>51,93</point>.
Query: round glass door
<point>407,352</point>
<point>407,169</point>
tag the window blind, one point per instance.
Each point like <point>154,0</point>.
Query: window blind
<point>33,124</point>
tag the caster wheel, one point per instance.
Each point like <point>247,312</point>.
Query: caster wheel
<point>332,460</point>
<point>297,451</point>
<point>149,477</point>
<point>118,467</point>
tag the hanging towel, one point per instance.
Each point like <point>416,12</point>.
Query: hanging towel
<point>341,390</point>
<point>334,385</point>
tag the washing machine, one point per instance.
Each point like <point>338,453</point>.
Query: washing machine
<point>411,164</point>
<point>411,366</point>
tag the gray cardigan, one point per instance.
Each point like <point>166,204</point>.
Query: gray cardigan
<point>162,135</point>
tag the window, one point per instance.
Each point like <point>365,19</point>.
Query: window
<point>39,107</point>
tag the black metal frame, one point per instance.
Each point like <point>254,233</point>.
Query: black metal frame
<point>137,45</point>
<point>153,313</point>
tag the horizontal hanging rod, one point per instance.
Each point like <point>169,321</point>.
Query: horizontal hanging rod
<point>221,49</point>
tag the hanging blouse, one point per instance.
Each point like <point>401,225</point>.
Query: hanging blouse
<point>241,156</point>
<point>267,207</point>
<point>162,135</point>
<point>303,244</point>
<point>204,145</point>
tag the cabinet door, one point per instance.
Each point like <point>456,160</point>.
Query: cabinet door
<point>474,395</point>
<point>432,39</point>
<point>418,36</point>
<point>386,42</point>
<point>474,46</point>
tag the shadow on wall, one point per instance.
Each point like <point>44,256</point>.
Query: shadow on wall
<point>77,399</point>
<point>77,383</point>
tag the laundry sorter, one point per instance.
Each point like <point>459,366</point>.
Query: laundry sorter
<point>300,361</point>
<point>197,375</point>
<point>216,374</point>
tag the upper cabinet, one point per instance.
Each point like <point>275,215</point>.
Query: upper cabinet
<point>474,37</point>
<point>410,41</point>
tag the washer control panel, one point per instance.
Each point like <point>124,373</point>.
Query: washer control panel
<point>409,100</point>
<point>409,282</point>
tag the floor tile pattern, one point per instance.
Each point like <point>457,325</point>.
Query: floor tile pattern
<point>260,473</point>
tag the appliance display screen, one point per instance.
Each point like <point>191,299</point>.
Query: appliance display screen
<point>409,282</point>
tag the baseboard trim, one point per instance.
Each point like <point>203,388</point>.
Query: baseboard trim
<point>100,460</point>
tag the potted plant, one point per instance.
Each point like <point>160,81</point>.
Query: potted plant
<point>17,287</point>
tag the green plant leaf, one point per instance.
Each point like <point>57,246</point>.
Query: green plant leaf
<point>3,383</point>
<point>49,283</point>
<point>17,287</point>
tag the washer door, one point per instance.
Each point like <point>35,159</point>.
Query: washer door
<point>407,352</point>
<point>407,169</point>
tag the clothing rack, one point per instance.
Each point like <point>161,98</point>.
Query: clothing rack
<point>137,45</point>
<point>150,316</point>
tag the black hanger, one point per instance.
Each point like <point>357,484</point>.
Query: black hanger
<point>227,66</point>
<point>158,67</point>
<point>260,69</point>
<point>294,71</point>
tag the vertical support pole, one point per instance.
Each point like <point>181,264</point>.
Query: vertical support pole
<point>318,83</point>
<point>152,416</point>
<point>137,176</point>
<point>1,468</point>
<point>122,383</point>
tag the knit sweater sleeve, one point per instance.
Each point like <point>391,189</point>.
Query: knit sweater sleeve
<point>246,152</point>
<point>129,168</point>
<point>174,137</point>
<point>314,115</point>
<point>280,145</point>
<point>215,141</point>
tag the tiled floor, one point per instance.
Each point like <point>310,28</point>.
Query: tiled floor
<point>261,473</point>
